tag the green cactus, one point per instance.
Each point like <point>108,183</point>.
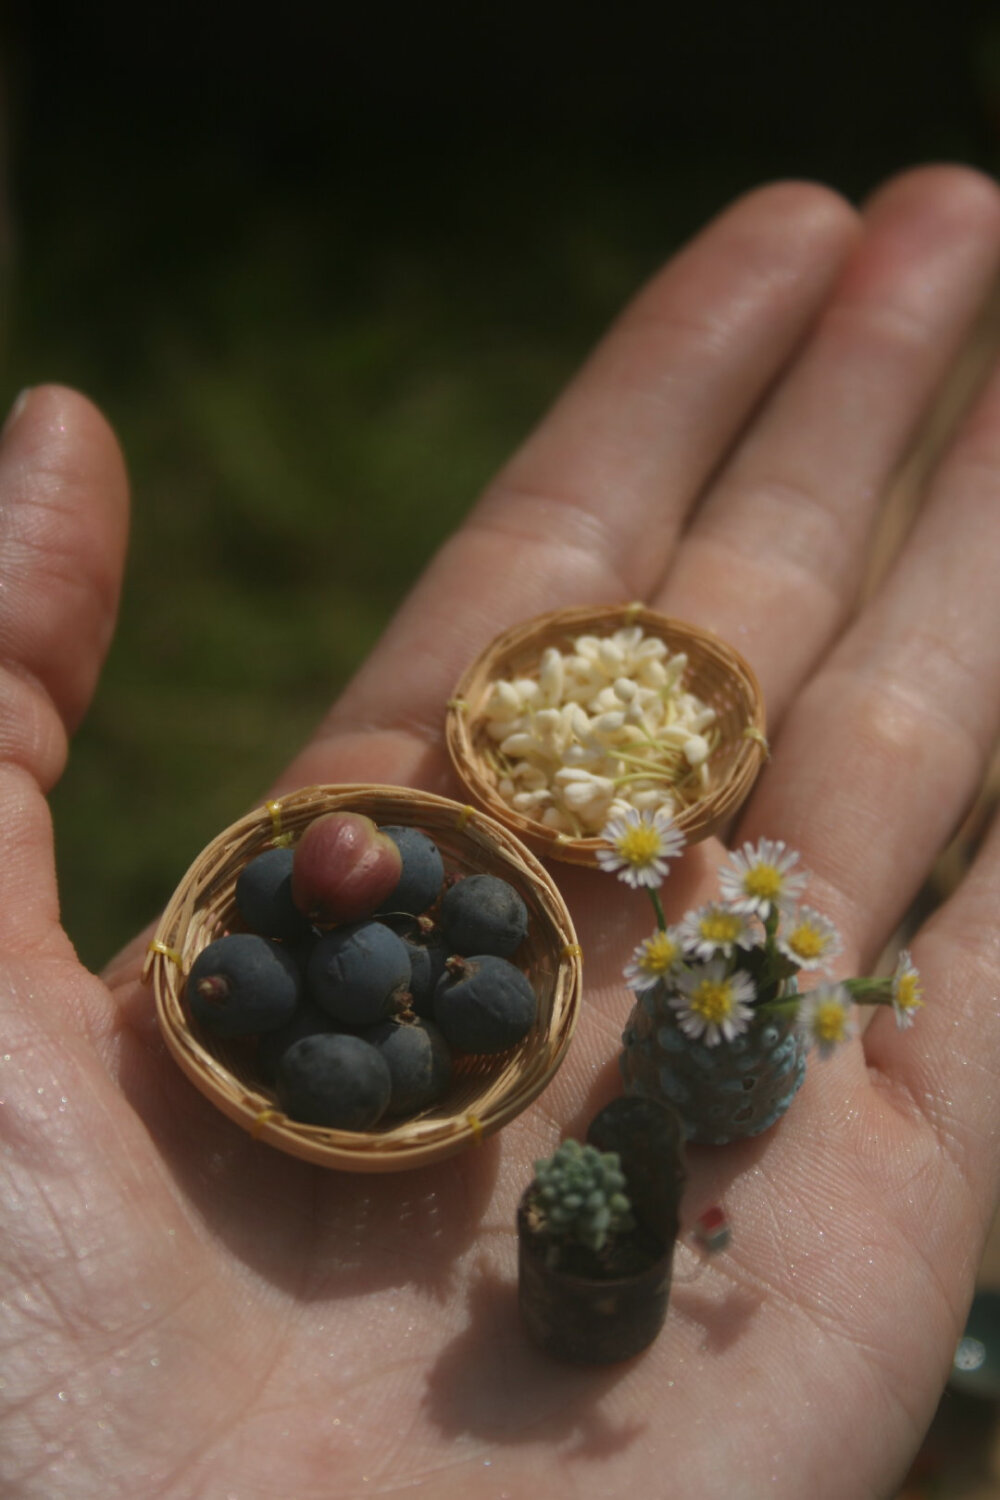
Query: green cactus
<point>579,1197</point>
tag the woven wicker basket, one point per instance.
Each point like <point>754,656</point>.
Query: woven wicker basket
<point>716,673</point>
<point>486,1092</point>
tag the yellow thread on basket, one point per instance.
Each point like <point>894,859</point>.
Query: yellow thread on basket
<point>753,733</point>
<point>274,811</point>
<point>262,1118</point>
<point>461,704</point>
<point>166,952</point>
<point>572,950</point>
<point>462,818</point>
<point>476,1126</point>
<point>633,609</point>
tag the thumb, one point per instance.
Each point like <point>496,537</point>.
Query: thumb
<point>63,525</point>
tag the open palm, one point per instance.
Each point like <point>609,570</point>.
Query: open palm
<point>190,1314</point>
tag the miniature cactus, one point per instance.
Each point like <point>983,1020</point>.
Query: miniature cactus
<point>580,1197</point>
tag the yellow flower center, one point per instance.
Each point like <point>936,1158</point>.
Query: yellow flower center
<point>658,954</point>
<point>908,992</point>
<point>713,999</point>
<point>830,1022</point>
<point>763,881</point>
<point>720,926</point>
<point>807,941</point>
<point>639,845</point>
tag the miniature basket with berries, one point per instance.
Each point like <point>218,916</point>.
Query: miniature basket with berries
<point>576,716</point>
<point>486,1090</point>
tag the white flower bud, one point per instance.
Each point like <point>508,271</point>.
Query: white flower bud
<point>550,676</point>
<point>527,801</point>
<point>624,689</point>
<point>611,657</point>
<point>606,725</point>
<point>518,744</point>
<point>696,749</point>
<point>554,817</point>
<point>588,646</point>
<point>651,673</point>
<point>503,701</point>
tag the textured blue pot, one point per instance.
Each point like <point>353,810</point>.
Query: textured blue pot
<point>722,1093</point>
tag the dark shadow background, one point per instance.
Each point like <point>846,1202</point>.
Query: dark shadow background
<point>324,271</point>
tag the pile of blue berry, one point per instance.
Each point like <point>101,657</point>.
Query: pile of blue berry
<point>362,968</point>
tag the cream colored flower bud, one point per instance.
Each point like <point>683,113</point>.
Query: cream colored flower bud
<point>518,744</point>
<point>551,674</point>
<point>554,817</point>
<point>503,701</point>
<point>696,749</point>
<point>606,701</point>
<point>607,725</point>
<point>611,657</point>
<point>651,673</point>
<point>529,801</point>
<point>624,689</point>
<point>588,646</point>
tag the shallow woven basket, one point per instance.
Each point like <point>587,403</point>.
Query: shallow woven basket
<point>486,1092</point>
<point>716,673</point>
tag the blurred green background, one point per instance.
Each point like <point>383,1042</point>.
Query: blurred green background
<point>323,274</point>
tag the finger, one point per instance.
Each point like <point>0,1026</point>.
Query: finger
<point>775,555</point>
<point>63,520</point>
<point>948,1062</point>
<point>590,507</point>
<point>885,750</point>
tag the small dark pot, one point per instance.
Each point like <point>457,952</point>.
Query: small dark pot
<point>589,1320</point>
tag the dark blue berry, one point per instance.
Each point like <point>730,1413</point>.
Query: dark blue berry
<point>264,896</point>
<point>419,1062</point>
<point>427,962</point>
<point>359,974</point>
<point>335,1080</point>
<point>484,1004</point>
<point>307,1020</point>
<point>242,984</point>
<point>483,914</point>
<point>423,872</point>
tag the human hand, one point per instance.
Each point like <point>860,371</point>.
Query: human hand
<point>190,1313</point>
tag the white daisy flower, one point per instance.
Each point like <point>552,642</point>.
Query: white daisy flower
<point>826,1016</point>
<point>654,958</point>
<point>641,843</point>
<point>717,929</point>
<point>808,938</point>
<point>907,990</point>
<point>759,879</point>
<point>712,1004</point>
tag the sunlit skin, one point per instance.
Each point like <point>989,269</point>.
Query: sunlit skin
<point>189,1313</point>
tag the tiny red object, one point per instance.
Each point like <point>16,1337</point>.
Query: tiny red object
<point>711,1230</point>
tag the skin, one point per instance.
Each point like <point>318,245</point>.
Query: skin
<point>188,1313</point>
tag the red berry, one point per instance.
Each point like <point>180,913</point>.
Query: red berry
<point>344,867</point>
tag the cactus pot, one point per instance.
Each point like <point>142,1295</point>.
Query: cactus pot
<point>598,1309</point>
<point>723,1093</point>
<point>591,1320</point>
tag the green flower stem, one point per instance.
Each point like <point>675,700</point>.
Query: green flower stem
<point>863,991</point>
<point>786,1007</point>
<point>867,991</point>
<point>654,896</point>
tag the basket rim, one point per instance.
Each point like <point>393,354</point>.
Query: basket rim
<point>699,819</point>
<point>408,1142</point>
